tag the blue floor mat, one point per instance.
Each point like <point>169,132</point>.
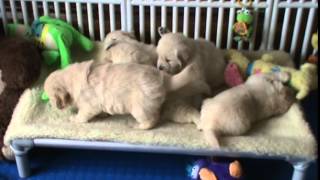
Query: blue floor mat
<point>58,164</point>
<point>48,164</point>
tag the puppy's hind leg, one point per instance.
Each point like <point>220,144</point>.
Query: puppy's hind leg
<point>211,138</point>
<point>145,120</point>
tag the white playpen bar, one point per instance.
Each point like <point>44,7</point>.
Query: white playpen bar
<point>16,13</point>
<point>300,5</point>
<point>198,5</point>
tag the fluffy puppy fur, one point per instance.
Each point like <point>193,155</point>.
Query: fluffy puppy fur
<point>122,47</point>
<point>233,111</point>
<point>176,51</point>
<point>127,88</point>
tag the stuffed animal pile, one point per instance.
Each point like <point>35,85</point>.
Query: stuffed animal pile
<point>303,80</point>
<point>20,63</point>
<point>54,36</point>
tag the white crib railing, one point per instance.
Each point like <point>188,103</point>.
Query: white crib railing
<point>304,25</point>
<point>279,24</point>
<point>198,6</point>
<point>73,11</point>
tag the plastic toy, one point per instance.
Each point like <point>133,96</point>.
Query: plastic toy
<point>314,42</point>
<point>205,169</point>
<point>243,27</point>
<point>303,80</point>
<point>54,36</point>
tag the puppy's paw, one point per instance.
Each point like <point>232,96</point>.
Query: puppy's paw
<point>7,153</point>
<point>141,126</point>
<point>77,119</point>
<point>198,126</point>
<point>211,139</point>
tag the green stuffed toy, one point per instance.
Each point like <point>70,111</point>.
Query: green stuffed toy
<point>243,27</point>
<point>54,36</point>
<point>303,80</point>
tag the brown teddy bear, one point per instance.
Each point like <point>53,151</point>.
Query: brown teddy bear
<point>20,64</point>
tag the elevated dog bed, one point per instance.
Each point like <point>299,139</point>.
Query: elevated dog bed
<point>36,123</point>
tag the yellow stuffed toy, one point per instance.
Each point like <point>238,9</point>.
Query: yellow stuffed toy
<point>303,80</point>
<point>313,58</point>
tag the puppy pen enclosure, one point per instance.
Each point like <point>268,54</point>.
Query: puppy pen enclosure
<point>278,24</point>
<point>285,25</point>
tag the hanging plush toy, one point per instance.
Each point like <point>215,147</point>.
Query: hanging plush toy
<point>54,37</point>
<point>314,42</point>
<point>205,169</point>
<point>243,28</point>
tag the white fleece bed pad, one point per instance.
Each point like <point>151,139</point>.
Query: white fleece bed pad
<point>287,135</point>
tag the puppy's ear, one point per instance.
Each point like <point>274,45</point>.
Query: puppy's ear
<point>59,103</point>
<point>108,45</point>
<point>63,99</point>
<point>182,55</point>
<point>163,30</point>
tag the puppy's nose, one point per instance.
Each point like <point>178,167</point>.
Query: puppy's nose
<point>161,67</point>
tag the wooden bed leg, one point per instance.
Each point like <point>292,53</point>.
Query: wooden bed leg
<point>299,170</point>
<point>21,149</point>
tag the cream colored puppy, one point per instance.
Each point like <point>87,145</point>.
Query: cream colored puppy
<point>128,88</point>
<point>176,51</point>
<point>122,47</point>
<point>233,111</point>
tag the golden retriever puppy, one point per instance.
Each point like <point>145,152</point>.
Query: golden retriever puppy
<point>109,88</point>
<point>176,51</point>
<point>122,47</point>
<point>233,111</point>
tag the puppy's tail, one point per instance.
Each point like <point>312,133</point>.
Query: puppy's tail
<point>211,138</point>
